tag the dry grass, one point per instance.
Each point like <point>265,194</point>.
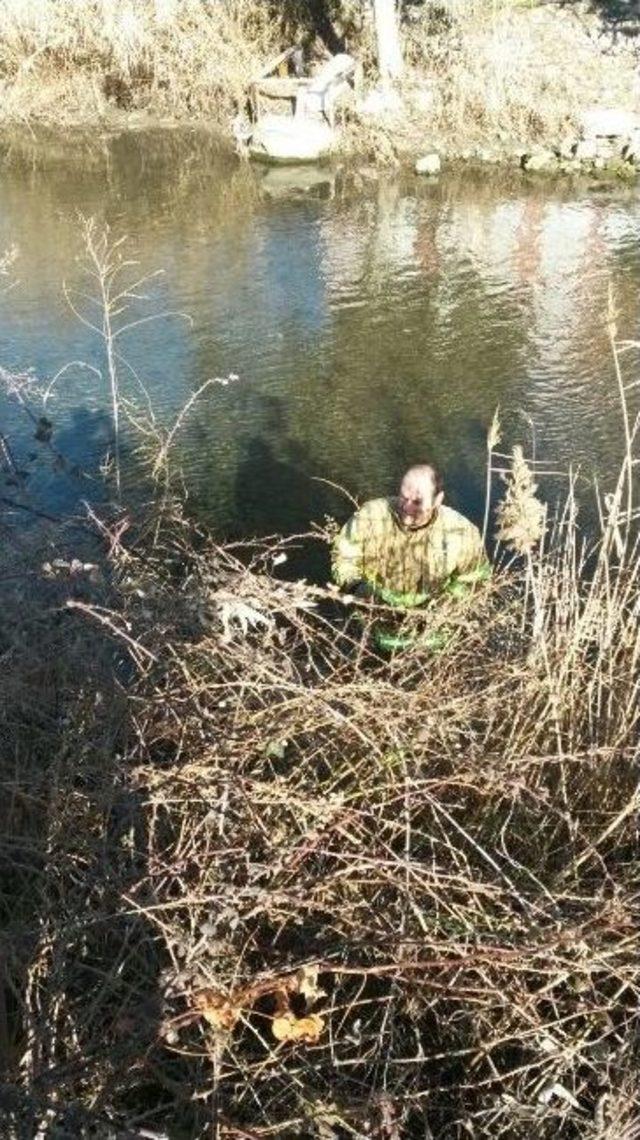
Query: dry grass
<point>505,76</point>
<point>72,59</point>
<point>258,882</point>
<point>496,73</point>
<point>445,848</point>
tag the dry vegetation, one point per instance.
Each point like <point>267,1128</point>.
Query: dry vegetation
<point>74,59</point>
<point>496,73</point>
<point>257,882</point>
<point>506,75</point>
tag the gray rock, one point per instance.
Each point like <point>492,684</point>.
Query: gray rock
<point>539,160</point>
<point>608,122</point>
<point>570,166</point>
<point>484,154</point>
<point>429,164</point>
<point>566,149</point>
<point>586,150</point>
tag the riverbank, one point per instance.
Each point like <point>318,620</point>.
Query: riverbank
<point>484,81</point>
<point>242,857</point>
<point>257,881</point>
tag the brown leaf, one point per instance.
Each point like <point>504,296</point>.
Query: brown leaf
<point>288,1027</point>
<point>220,1011</point>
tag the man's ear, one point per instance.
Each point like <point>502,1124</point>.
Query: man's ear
<point>439,499</point>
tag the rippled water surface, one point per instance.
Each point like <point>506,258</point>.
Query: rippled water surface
<point>371,321</point>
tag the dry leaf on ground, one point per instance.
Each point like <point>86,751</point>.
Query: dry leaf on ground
<point>219,1010</point>
<point>288,1027</point>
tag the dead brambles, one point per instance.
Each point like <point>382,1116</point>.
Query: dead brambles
<point>431,842</point>
<point>258,880</point>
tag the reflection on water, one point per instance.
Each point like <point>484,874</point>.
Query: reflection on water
<point>372,322</point>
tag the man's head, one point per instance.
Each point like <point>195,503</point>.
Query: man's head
<point>420,495</point>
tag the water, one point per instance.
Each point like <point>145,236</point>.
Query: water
<point>372,322</point>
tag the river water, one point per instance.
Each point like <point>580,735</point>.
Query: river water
<point>371,322</point>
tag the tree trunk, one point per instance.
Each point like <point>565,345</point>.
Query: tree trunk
<point>388,38</point>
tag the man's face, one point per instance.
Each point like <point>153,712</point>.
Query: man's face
<point>417,500</point>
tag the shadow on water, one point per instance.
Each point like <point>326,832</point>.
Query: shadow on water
<point>278,496</point>
<point>60,471</point>
<point>81,443</point>
<point>274,495</point>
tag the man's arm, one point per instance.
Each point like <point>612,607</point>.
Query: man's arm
<point>472,567</point>
<point>347,554</point>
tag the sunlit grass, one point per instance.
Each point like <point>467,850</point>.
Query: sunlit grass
<point>66,59</point>
<point>492,71</point>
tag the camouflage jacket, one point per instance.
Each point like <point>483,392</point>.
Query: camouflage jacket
<point>374,547</point>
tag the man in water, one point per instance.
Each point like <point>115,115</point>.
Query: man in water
<point>405,550</point>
